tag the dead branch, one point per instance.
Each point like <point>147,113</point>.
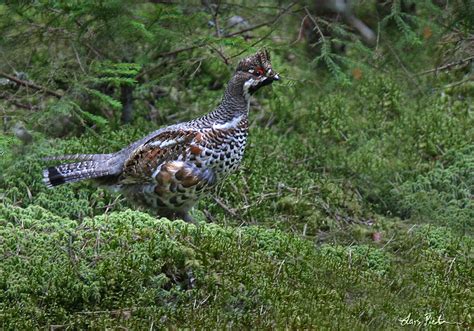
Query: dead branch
<point>221,54</point>
<point>300,31</point>
<point>224,206</point>
<point>15,103</point>
<point>31,85</point>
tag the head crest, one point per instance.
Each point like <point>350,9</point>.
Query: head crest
<point>259,59</point>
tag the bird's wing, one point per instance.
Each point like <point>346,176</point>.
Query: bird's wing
<point>161,147</point>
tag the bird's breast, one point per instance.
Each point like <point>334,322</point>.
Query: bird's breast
<point>222,150</point>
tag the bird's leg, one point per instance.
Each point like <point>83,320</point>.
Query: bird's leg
<point>186,217</point>
<point>177,215</point>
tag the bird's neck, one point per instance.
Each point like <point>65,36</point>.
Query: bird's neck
<point>234,105</point>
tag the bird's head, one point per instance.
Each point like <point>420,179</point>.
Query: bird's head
<point>256,71</point>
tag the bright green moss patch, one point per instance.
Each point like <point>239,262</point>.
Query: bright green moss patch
<point>56,271</point>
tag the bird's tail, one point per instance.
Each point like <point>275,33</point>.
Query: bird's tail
<point>90,166</point>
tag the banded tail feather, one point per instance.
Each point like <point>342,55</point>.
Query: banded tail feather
<point>73,172</point>
<point>100,166</point>
<point>77,157</point>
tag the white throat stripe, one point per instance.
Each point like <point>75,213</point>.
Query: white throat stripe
<point>229,125</point>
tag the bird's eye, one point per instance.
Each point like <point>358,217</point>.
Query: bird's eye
<point>257,72</point>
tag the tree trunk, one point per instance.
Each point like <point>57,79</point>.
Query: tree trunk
<point>126,98</point>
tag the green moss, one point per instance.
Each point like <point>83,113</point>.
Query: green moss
<point>361,256</point>
<point>443,196</point>
<point>63,272</point>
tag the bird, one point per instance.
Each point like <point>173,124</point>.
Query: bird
<point>172,168</point>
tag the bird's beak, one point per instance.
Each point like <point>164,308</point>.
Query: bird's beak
<point>276,77</point>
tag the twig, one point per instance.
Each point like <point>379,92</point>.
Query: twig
<point>316,26</point>
<point>180,50</point>
<point>30,84</point>
<point>450,267</point>
<point>221,54</point>
<point>118,312</point>
<point>20,105</point>
<point>447,66</point>
<point>112,205</point>
<point>267,23</point>
<point>225,207</point>
<point>468,79</point>
<point>252,45</point>
<point>209,216</point>
<point>279,270</point>
<point>78,58</point>
<point>300,32</point>
<point>197,69</point>
<point>388,242</point>
<point>249,29</point>
<point>218,49</point>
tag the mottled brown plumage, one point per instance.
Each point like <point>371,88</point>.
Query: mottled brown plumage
<point>173,167</point>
